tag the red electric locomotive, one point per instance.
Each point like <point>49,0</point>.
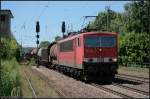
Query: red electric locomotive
<point>92,55</point>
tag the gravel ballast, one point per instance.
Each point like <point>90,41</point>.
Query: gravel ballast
<point>72,88</point>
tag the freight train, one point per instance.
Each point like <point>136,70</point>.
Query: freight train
<point>89,55</point>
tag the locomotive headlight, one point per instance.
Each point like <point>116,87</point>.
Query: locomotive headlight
<point>89,60</point>
<point>85,59</point>
<point>114,59</point>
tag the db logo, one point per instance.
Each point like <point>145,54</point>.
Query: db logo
<point>100,49</point>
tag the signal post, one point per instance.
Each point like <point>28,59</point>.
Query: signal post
<point>37,42</point>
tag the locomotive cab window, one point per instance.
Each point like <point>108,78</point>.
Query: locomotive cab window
<point>103,41</point>
<point>66,46</point>
<point>78,42</point>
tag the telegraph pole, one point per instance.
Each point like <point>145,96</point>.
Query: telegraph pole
<point>37,42</point>
<point>108,18</point>
<point>149,30</point>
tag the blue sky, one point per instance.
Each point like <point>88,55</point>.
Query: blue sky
<point>50,14</point>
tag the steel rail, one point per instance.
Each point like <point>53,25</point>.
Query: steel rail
<point>132,89</point>
<point>31,86</point>
<point>111,91</point>
<point>139,77</point>
<point>131,79</point>
<point>42,77</point>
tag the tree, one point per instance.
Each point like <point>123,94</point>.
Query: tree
<point>9,48</point>
<point>134,52</point>
<point>57,38</point>
<point>44,44</point>
<point>137,17</point>
<point>134,19</point>
<point>115,22</point>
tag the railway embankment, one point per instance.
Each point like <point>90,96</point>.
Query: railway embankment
<point>34,87</point>
<point>71,88</point>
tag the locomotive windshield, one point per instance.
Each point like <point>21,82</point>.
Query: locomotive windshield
<point>95,41</point>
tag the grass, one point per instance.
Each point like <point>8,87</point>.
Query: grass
<point>137,69</point>
<point>10,79</point>
<point>26,91</point>
<point>31,62</point>
<point>41,86</point>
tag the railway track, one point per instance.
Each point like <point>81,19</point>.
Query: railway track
<point>133,78</point>
<point>31,85</point>
<point>42,77</point>
<point>127,94</point>
<point>144,78</point>
<point>131,88</point>
<point>111,91</point>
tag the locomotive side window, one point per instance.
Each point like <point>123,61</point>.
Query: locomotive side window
<point>79,42</point>
<point>66,46</point>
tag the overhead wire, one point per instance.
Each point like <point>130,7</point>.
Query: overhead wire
<point>45,7</point>
<point>23,25</point>
<point>36,17</point>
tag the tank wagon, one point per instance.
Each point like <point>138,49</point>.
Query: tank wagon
<point>90,55</point>
<point>43,56</point>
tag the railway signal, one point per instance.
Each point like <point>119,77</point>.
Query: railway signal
<point>63,28</point>
<point>37,27</point>
<point>37,42</point>
<point>37,36</point>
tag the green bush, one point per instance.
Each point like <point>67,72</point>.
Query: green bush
<point>31,62</point>
<point>9,48</point>
<point>133,47</point>
<point>10,78</point>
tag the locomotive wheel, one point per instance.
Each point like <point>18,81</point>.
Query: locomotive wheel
<point>112,77</point>
<point>86,79</point>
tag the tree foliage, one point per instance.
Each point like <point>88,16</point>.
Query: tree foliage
<point>44,44</point>
<point>9,48</point>
<point>134,19</point>
<point>10,78</point>
<point>137,17</point>
<point>100,22</point>
<point>134,47</point>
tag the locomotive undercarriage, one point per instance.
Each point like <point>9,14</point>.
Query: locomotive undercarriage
<point>73,72</point>
<point>99,71</point>
<point>90,71</point>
